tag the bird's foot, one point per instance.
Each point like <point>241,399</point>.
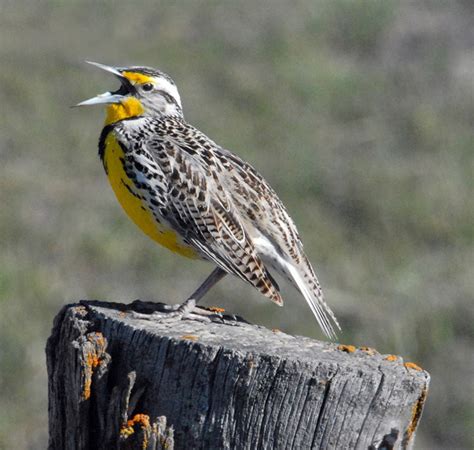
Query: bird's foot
<point>187,310</point>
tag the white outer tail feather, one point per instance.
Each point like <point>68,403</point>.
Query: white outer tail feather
<point>271,258</point>
<point>319,308</point>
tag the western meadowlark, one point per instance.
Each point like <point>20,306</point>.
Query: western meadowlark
<point>196,198</point>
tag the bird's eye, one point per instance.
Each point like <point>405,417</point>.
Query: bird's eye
<point>147,87</point>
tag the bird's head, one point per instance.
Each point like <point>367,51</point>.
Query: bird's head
<point>143,92</point>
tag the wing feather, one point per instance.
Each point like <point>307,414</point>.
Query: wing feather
<point>207,219</point>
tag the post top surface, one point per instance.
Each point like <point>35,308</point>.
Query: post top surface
<point>247,339</point>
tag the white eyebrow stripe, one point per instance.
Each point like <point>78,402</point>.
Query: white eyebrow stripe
<point>165,85</point>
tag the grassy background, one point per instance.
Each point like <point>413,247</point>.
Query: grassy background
<point>360,115</point>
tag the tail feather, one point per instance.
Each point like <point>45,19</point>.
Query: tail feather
<point>318,306</point>
<point>301,275</point>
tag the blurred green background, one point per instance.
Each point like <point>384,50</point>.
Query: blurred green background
<point>359,113</point>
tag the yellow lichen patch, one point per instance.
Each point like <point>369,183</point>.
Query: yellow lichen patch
<point>391,358</point>
<point>276,330</point>
<point>190,337</point>
<point>415,417</point>
<point>370,351</point>
<point>411,365</point>
<point>216,309</point>
<point>126,431</point>
<point>346,348</point>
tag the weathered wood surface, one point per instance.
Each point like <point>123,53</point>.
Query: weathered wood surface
<point>116,381</point>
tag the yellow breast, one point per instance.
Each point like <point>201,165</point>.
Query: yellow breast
<point>135,207</point>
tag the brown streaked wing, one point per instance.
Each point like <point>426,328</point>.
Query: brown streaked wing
<point>205,215</point>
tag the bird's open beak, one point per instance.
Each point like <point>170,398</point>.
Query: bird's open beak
<point>108,97</point>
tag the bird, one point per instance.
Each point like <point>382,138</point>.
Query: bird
<point>197,198</point>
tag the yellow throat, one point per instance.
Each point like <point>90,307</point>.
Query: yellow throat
<point>129,107</point>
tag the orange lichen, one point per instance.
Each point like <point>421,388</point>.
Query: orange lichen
<point>276,330</point>
<point>391,358</point>
<point>415,416</point>
<point>190,337</point>
<point>370,351</point>
<point>97,339</point>
<point>80,310</point>
<point>346,348</point>
<point>92,361</point>
<point>411,365</point>
<point>94,355</point>
<point>87,389</point>
<point>139,421</point>
<point>216,309</point>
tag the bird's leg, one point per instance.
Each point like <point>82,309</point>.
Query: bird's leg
<point>188,308</point>
<point>188,305</point>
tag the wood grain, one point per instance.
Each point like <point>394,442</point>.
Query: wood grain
<point>116,381</point>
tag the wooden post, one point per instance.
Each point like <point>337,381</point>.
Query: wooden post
<point>116,381</point>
